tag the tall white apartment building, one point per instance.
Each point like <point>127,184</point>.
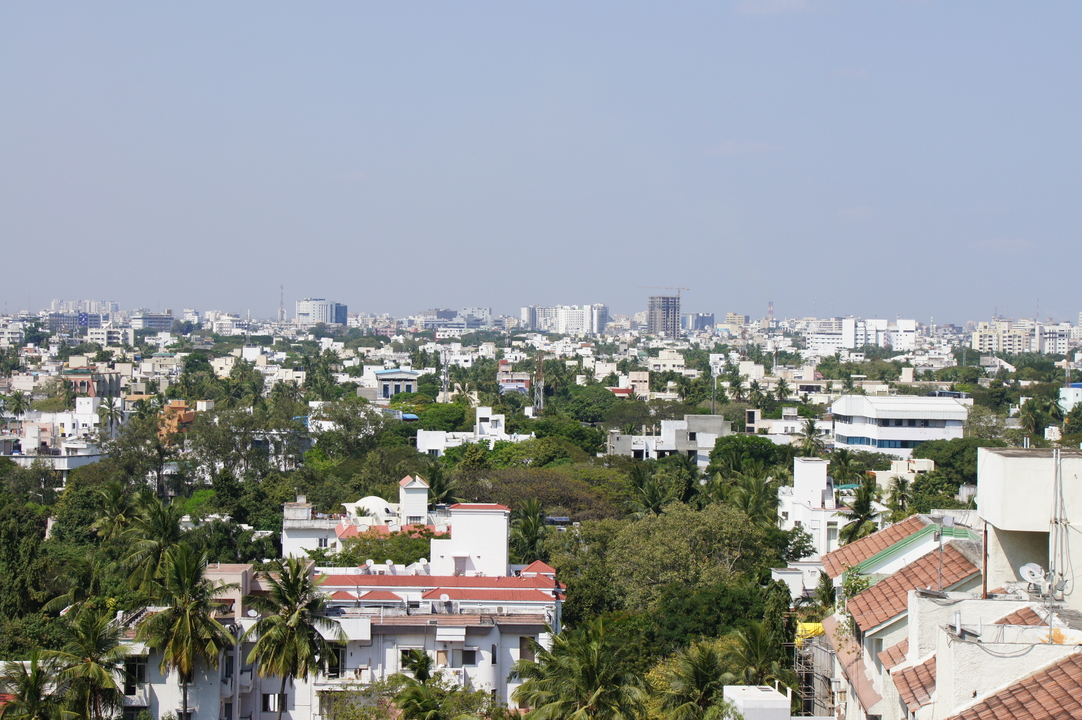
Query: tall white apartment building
<point>311,311</point>
<point>566,319</point>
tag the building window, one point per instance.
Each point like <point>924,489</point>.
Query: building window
<point>469,657</point>
<point>495,659</point>
<point>323,542</point>
<point>337,665</point>
<point>131,712</point>
<point>414,520</point>
<point>135,673</point>
<point>273,701</point>
<point>525,648</point>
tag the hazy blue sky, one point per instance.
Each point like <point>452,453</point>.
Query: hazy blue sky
<point>870,158</point>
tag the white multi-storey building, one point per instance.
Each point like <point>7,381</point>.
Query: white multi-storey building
<point>465,608</point>
<point>896,424</point>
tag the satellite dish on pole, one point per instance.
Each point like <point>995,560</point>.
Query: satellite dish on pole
<point>445,597</point>
<point>1032,573</point>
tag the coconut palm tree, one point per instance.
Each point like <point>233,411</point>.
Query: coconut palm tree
<point>781,390</point>
<point>582,677</point>
<point>185,632</point>
<point>441,488</point>
<point>154,530</point>
<point>90,662</point>
<point>290,637</point>
<point>752,659</point>
<point>756,497</point>
<point>528,532</point>
<point>822,600</point>
<point>37,690</point>
<point>84,577</point>
<point>810,441</point>
<point>419,663</point>
<point>18,403</point>
<point>755,394</point>
<point>1031,418</point>
<point>118,510</point>
<point>900,497</point>
<point>861,513</point>
<point>843,466</point>
<point>693,684</point>
<point>111,412</point>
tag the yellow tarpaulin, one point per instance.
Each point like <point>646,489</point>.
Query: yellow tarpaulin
<point>807,630</point>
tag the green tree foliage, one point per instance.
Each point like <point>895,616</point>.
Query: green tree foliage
<point>582,676</point>
<point>691,684</point>
<point>289,636</point>
<point>683,545</point>
<point>402,548</point>
<point>90,663</point>
<point>37,691</point>
<point>955,460</point>
<point>185,632</point>
<point>861,513</point>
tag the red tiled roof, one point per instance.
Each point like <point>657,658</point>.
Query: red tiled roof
<point>1025,616</point>
<point>348,530</point>
<point>540,568</point>
<point>894,654</point>
<point>857,552</point>
<point>889,597</point>
<point>485,594</point>
<point>1050,694</point>
<point>539,582</point>
<point>342,595</point>
<point>480,506</point>
<point>916,684</point>
<point>848,652</point>
<point>382,595</point>
<point>407,480</point>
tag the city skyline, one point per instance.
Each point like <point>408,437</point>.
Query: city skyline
<point>793,151</point>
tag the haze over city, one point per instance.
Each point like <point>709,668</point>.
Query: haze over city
<point>875,159</point>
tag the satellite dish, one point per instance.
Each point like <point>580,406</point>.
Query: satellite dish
<point>252,613</point>
<point>422,561</point>
<point>369,562</point>
<point>445,597</point>
<point>1032,573</point>
<point>389,562</point>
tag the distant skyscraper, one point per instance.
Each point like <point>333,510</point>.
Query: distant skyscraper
<point>663,316</point>
<point>317,310</point>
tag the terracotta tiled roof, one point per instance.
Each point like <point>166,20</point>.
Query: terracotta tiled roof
<point>539,568</point>
<point>848,652</point>
<point>857,552</point>
<point>407,480</point>
<point>894,654</point>
<point>484,594</point>
<point>381,595</point>
<point>890,597</point>
<point>342,595</point>
<point>348,530</point>
<point>1054,693</point>
<point>916,684</point>
<point>1025,616</point>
